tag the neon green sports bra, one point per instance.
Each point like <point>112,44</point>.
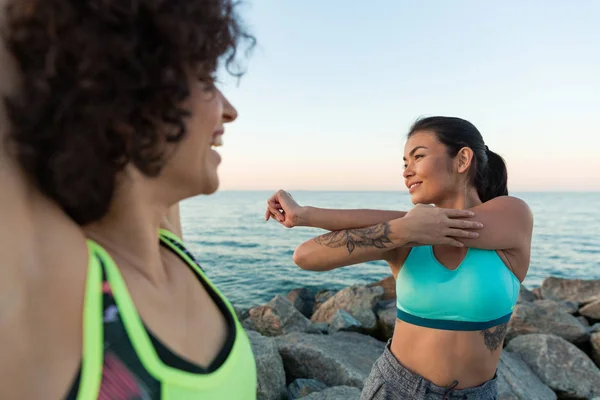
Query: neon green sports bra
<point>123,360</point>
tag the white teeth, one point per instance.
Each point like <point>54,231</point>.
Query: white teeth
<point>217,141</point>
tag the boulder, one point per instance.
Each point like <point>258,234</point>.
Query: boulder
<point>389,287</point>
<point>303,387</point>
<point>358,301</point>
<point>304,300</point>
<point>386,320</point>
<point>336,393</point>
<point>594,328</point>
<point>579,290</point>
<point>531,318</point>
<point>342,321</point>
<point>321,297</point>
<point>278,317</point>
<point>584,321</point>
<point>516,381</point>
<point>595,340</point>
<point>269,368</point>
<point>341,359</point>
<point>526,295</point>
<point>570,307</point>
<point>559,364</point>
<point>537,292</point>
<point>591,310</point>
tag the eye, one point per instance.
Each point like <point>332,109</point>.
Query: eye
<point>417,156</point>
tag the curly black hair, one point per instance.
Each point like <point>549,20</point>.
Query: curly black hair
<point>100,81</point>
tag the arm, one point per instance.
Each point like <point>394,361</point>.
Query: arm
<point>335,220</point>
<point>507,225</point>
<point>172,221</point>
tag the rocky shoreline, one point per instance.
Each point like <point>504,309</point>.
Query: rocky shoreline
<point>322,345</point>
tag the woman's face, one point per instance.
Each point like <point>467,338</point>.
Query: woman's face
<point>429,172</point>
<point>191,169</point>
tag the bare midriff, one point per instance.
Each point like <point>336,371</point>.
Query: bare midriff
<point>442,356</point>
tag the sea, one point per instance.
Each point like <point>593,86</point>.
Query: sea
<point>250,260</point>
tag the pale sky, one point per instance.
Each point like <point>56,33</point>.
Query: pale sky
<point>333,86</point>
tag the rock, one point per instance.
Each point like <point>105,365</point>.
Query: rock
<point>269,368</point>
<point>584,321</point>
<point>525,295</point>
<point>336,393</point>
<point>303,387</point>
<point>342,321</point>
<point>321,297</point>
<point>344,358</point>
<point>241,313</point>
<point>591,310</point>
<point>537,292</point>
<point>389,287</point>
<point>531,318</point>
<point>559,364</point>
<point>303,299</point>
<point>278,317</point>
<point>594,328</point>
<point>570,307</point>
<point>516,381</point>
<point>595,339</point>
<point>386,321</point>
<point>579,290</point>
<point>320,327</point>
<point>358,301</point>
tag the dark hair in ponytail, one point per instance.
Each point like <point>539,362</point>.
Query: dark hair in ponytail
<point>489,173</point>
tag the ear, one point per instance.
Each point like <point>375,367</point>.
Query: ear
<point>464,159</point>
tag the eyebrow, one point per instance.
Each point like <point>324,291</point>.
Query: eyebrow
<point>413,151</point>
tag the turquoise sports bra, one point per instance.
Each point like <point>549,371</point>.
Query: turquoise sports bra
<point>481,293</point>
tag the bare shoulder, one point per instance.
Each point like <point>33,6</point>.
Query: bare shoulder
<point>508,204</point>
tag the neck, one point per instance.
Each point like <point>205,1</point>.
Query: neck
<point>460,200</point>
<point>129,232</point>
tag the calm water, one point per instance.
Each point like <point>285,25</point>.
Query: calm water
<point>251,260</point>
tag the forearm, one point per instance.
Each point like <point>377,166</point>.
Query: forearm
<point>351,246</point>
<point>336,220</point>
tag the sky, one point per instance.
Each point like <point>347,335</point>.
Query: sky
<point>333,86</point>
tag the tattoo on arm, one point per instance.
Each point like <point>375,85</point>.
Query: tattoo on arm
<point>493,339</point>
<point>372,236</point>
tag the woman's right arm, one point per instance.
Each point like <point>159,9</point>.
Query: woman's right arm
<point>423,225</point>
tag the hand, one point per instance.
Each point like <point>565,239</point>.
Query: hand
<point>283,208</point>
<point>428,225</point>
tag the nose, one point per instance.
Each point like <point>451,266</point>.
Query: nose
<point>408,172</point>
<point>230,114</point>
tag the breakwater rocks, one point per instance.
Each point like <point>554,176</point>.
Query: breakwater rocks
<point>322,345</point>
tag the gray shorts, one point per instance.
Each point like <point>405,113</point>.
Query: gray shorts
<point>390,380</point>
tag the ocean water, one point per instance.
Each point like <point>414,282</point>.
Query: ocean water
<point>250,260</point>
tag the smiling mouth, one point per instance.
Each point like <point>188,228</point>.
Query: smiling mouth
<point>414,186</point>
<point>217,141</point>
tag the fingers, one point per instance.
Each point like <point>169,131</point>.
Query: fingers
<point>453,242</point>
<point>275,213</point>
<point>452,213</point>
<point>459,233</point>
<point>464,224</point>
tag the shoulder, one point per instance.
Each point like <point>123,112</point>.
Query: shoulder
<point>508,205</point>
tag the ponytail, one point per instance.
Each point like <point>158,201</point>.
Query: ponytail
<point>493,178</point>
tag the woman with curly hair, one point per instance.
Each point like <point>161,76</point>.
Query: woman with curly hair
<point>110,117</point>
<point>458,264</point>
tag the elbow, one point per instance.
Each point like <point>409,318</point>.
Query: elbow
<point>301,258</point>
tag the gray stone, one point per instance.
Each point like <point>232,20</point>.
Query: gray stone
<point>269,368</point>
<point>358,301</point>
<point>342,321</point>
<point>537,292</point>
<point>344,358</point>
<point>303,299</point>
<point>526,295</point>
<point>321,297</point>
<point>386,321</point>
<point>389,287</point>
<point>516,381</point>
<point>594,328</point>
<point>531,318</point>
<point>584,321</point>
<point>559,364</point>
<point>303,387</point>
<point>591,310</point>
<point>579,290</point>
<point>320,327</point>
<point>335,393</point>
<point>278,317</point>
<point>595,340</point>
<point>570,307</point>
